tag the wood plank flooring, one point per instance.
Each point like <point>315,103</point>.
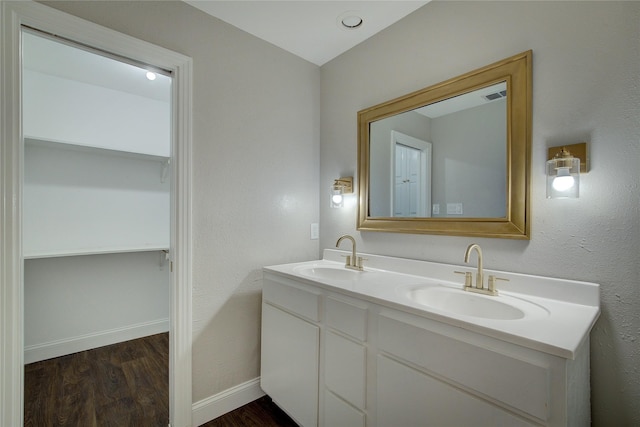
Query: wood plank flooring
<point>120,385</point>
<point>259,413</point>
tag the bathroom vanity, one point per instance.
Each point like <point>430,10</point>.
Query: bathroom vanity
<point>402,344</point>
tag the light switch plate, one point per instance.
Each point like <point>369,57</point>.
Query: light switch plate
<point>315,231</point>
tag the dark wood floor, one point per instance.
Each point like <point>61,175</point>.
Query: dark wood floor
<point>125,384</point>
<point>259,413</point>
<point>121,385</point>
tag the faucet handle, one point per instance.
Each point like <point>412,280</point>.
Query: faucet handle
<point>492,283</point>
<point>359,262</point>
<point>468,278</point>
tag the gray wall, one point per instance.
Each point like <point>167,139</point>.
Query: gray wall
<point>256,109</point>
<point>256,116</point>
<point>585,88</point>
<point>469,160</point>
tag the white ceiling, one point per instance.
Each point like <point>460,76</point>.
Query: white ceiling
<point>310,29</point>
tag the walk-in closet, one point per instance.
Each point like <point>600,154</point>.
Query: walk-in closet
<point>96,212</point>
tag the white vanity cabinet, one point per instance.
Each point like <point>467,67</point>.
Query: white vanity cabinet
<point>298,372</point>
<point>345,362</point>
<point>332,359</point>
<point>291,348</point>
<point>429,373</point>
<point>409,397</point>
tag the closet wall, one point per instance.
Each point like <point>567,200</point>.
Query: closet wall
<point>96,202</point>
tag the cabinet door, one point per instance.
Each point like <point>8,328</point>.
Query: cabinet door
<point>410,398</point>
<point>338,413</point>
<point>289,372</point>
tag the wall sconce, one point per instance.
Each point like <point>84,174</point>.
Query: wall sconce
<point>563,170</point>
<point>339,188</point>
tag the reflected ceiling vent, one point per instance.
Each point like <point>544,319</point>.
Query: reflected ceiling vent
<point>496,95</point>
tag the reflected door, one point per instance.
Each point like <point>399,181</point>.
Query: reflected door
<point>407,195</point>
<point>411,178</point>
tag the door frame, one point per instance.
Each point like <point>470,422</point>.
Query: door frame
<point>13,16</point>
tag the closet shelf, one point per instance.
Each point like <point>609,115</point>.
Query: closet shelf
<point>40,142</point>
<point>92,251</point>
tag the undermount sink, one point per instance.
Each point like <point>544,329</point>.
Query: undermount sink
<point>458,301</point>
<point>329,273</point>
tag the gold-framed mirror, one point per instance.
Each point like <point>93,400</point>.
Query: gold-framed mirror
<point>453,158</point>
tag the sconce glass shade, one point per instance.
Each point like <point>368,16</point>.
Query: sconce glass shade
<point>563,177</point>
<point>340,187</point>
<point>337,196</point>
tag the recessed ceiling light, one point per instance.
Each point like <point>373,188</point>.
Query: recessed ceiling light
<point>151,76</point>
<point>350,20</point>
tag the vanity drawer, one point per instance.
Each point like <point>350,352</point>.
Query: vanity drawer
<point>347,317</point>
<point>345,372</point>
<point>520,383</point>
<point>409,398</point>
<point>292,298</point>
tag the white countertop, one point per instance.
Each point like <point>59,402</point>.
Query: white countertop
<point>572,306</point>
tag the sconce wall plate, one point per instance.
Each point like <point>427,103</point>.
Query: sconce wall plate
<point>345,183</point>
<point>577,150</point>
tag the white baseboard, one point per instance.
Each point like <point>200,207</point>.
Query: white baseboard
<point>48,350</point>
<point>219,404</point>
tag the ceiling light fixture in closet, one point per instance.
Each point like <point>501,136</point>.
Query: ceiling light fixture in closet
<point>350,20</point>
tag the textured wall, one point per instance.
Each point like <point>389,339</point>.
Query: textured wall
<point>256,108</point>
<point>585,88</point>
<point>256,119</point>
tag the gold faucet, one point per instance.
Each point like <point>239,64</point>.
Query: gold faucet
<point>480,273</point>
<point>353,262</point>
<point>479,288</point>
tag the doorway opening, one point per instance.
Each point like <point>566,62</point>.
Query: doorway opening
<point>96,227</point>
<point>16,16</point>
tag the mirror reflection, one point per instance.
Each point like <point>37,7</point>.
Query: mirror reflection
<point>446,159</point>
<point>452,158</point>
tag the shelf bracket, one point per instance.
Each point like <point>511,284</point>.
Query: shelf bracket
<point>164,171</point>
<point>164,257</point>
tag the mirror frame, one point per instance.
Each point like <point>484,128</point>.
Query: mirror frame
<point>516,71</point>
